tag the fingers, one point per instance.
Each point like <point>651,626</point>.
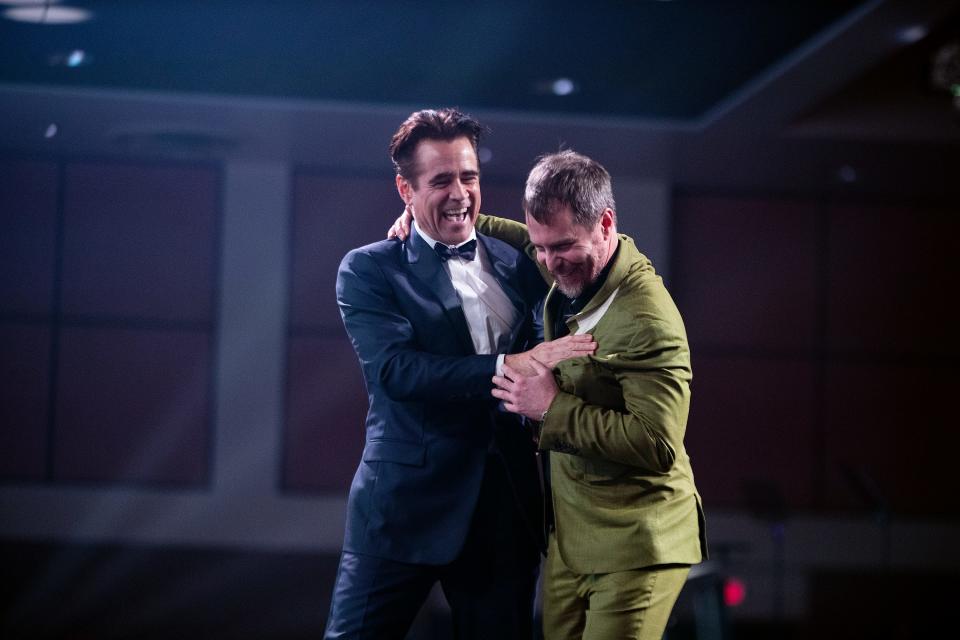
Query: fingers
<point>580,342</point>
<point>401,226</point>
<point>396,231</point>
<point>575,338</point>
<point>583,342</point>
<point>507,397</point>
<point>553,353</point>
<point>509,372</point>
<point>539,367</point>
<point>569,347</point>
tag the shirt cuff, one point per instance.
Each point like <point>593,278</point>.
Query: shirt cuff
<point>500,359</point>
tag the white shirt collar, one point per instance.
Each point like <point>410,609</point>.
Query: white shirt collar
<point>430,241</point>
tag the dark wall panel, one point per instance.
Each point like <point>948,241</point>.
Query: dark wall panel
<point>333,214</point>
<point>133,405</point>
<point>751,430</point>
<point>894,274</point>
<point>502,199</point>
<point>746,271</point>
<point>824,343</point>
<point>121,402</point>
<point>28,216</point>
<point>326,409</point>
<point>892,438</point>
<point>139,241</point>
<point>24,398</point>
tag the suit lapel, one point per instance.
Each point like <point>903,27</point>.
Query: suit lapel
<point>503,262</point>
<point>427,267</point>
<point>618,271</point>
<point>549,313</point>
<point>601,300</point>
<point>504,265</point>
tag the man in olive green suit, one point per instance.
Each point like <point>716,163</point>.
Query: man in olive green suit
<point>627,517</point>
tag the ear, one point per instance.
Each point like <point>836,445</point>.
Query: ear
<point>607,223</point>
<point>405,189</point>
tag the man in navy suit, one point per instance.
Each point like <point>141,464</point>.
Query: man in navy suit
<point>448,488</point>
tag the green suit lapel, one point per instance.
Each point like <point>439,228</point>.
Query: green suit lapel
<point>626,256</point>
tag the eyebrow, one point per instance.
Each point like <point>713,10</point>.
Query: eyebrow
<point>554,245</point>
<point>447,175</point>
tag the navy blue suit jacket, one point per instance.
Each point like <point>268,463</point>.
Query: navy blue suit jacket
<point>431,420</point>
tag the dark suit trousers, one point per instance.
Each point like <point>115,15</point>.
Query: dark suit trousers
<point>489,586</point>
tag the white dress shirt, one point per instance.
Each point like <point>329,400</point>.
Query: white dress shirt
<point>490,314</point>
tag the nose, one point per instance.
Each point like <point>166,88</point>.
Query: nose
<point>458,190</point>
<point>550,260</point>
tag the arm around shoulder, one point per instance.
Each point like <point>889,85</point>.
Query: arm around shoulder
<point>513,233</point>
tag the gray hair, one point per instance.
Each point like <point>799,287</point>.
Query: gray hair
<point>568,178</point>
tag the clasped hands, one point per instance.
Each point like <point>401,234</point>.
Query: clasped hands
<point>527,385</point>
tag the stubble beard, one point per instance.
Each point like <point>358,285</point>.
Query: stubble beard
<point>574,289</point>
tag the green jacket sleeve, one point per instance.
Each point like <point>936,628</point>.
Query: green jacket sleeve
<point>513,233</point>
<point>647,430</point>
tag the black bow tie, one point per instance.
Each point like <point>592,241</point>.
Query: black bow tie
<point>467,251</point>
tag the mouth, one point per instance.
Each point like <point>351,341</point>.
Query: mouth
<point>456,215</point>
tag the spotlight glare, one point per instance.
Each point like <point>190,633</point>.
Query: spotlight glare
<point>76,58</point>
<point>563,87</point>
<point>51,131</point>
<point>47,14</point>
<point>911,34</point>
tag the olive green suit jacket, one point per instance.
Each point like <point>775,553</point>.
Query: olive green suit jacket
<point>622,485</point>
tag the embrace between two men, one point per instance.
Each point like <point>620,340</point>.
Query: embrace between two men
<point>529,387</point>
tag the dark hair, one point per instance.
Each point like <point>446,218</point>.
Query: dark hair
<point>568,178</point>
<point>434,124</point>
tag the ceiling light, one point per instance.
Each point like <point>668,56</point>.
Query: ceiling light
<point>484,155</point>
<point>72,59</point>
<point>47,14</point>
<point>912,34</point>
<point>555,86</point>
<point>563,87</point>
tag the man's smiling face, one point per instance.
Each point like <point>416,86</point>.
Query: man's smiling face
<point>445,194</point>
<point>573,254</point>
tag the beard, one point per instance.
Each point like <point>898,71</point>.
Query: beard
<point>571,289</point>
<point>581,276</point>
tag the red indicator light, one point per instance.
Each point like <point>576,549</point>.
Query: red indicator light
<point>734,592</point>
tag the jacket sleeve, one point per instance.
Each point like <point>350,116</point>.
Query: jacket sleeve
<point>389,350</point>
<point>513,233</point>
<point>648,429</point>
